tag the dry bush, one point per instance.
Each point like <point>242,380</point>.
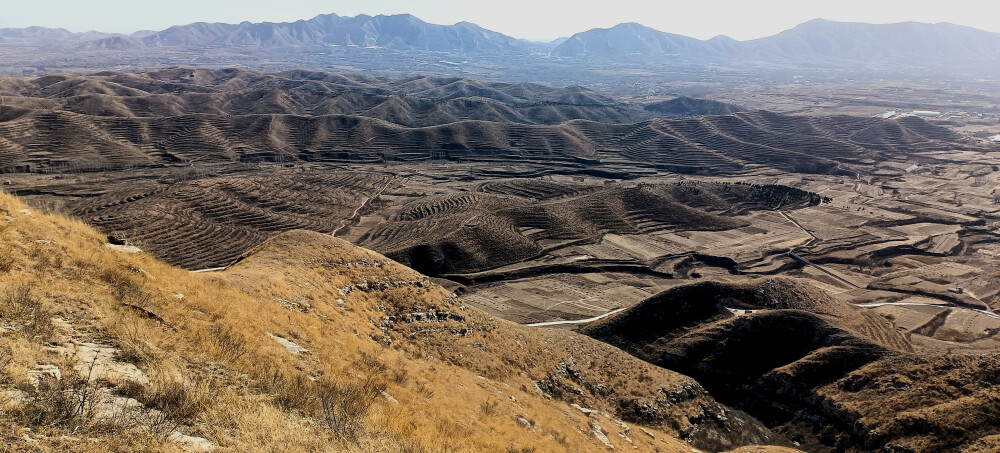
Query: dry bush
<point>18,306</point>
<point>290,392</point>
<point>489,408</point>
<point>137,419</point>
<point>408,446</point>
<point>44,256</point>
<point>344,405</point>
<point>132,342</point>
<point>422,388</point>
<point>125,289</point>
<point>513,449</point>
<point>7,258</point>
<point>179,401</point>
<point>230,343</point>
<point>6,357</point>
<point>69,401</point>
<point>558,436</point>
<point>399,374</point>
<point>371,364</point>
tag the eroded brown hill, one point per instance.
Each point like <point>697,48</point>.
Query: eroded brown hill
<point>210,220</point>
<point>184,116</point>
<point>819,370</point>
<point>513,220</point>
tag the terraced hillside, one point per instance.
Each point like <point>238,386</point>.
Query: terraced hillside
<point>210,222</point>
<point>182,116</point>
<point>813,367</point>
<point>513,220</point>
<point>411,102</point>
<point>206,220</point>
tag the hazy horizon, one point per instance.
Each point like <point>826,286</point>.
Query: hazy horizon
<point>534,20</point>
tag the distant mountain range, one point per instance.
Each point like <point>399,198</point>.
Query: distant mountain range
<point>818,42</point>
<point>399,32</point>
<point>632,38</point>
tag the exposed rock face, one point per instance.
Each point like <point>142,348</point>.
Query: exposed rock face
<point>599,433</point>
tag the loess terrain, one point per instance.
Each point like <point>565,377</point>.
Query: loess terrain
<point>120,121</point>
<point>806,362</point>
<point>499,266</point>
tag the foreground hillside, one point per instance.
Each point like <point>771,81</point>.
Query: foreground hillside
<point>308,343</point>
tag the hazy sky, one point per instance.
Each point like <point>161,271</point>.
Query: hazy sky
<point>532,19</point>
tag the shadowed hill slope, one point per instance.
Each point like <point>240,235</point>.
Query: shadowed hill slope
<point>686,106</point>
<point>801,361</point>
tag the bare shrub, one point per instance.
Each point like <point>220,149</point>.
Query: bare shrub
<point>345,404</point>
<point>422,388</point>
<point>45,256</point>
<point>558,436</point>
<point>399,375</point>
<point>513,449</point>
<point>409,446</point>
<point>20,307</point>
<point>131,340</point>
<point>371,364</point>
<point>153,423</point>
<point>125,289</point>
<point>67,401</point>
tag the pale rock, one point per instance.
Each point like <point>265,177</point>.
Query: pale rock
<point>291,346</point>
<point>599,433</point>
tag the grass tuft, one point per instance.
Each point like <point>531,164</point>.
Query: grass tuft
<point>180,401</point>
<point>345,404</point>
<point>19,307</point>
